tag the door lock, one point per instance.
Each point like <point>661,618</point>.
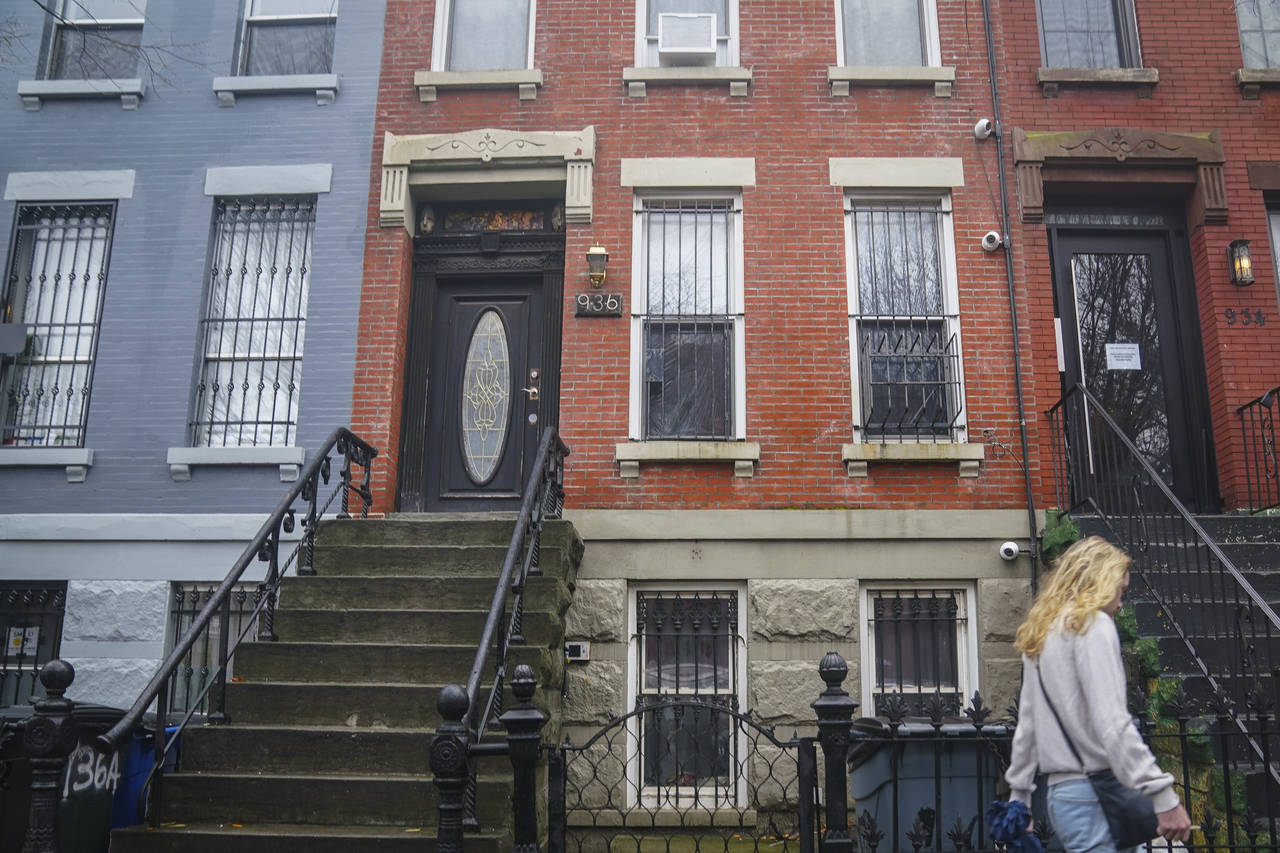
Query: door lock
<point>532,392</point>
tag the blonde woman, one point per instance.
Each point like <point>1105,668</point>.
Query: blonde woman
<point>1071,653</point>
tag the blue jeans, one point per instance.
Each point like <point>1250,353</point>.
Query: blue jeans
<point>1078,820</point>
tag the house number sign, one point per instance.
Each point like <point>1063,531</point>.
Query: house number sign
<point>1245,317</point>
<point>597,304</point>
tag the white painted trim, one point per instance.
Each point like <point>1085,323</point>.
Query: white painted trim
<point>1273,223</point>
<point>688,172</point>
<point>69,186</point>
<point>133,527</point>
<point>296,179</point>
<point>896,172</point>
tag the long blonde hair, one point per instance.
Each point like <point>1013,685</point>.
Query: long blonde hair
<point>1084,580</point>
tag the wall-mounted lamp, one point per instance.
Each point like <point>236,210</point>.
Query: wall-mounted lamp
<point>1241,263</point>
<point>597,257</point>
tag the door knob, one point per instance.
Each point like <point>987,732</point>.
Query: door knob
<point>532,392</point>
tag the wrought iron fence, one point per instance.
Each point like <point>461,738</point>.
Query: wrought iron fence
<point>188,691</point>
<point>1261,463</point>
<point>31,625</point>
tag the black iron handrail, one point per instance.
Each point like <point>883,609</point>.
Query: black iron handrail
<point>265,547</point>
<point>1261,460</point>
<point>1230,632</point>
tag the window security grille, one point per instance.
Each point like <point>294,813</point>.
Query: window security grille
<point>908,352</point>
<point>289,37</point>
<point>31,625</point>
<point>688,340</point>
<point>917,638</point>
<point>688,645</point>
<point>57,278</point>
<point>96,39</point>
<point>255,320</point>
<point>198,667</point>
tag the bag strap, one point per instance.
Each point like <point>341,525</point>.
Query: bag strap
<point>1045,693</point>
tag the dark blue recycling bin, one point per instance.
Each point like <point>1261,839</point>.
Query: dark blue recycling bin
<point>138,756</point>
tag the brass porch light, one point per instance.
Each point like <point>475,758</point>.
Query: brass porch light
<point>1241,263</point>
<point>597,257</point>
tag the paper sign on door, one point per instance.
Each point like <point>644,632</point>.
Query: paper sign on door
<point>1123,357</point>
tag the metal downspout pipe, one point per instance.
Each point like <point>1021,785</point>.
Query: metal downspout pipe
<point>1032,532</point>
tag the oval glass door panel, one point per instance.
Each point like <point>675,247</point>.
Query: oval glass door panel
<point>486,397</point>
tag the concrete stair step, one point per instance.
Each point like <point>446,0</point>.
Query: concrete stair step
<point>406,626</point>
<point>402,663</point>
<point>440,529</point>
<point>1227,529</point>
<point>305,749</point>
<point>444,592</point>
<point>293,838</point>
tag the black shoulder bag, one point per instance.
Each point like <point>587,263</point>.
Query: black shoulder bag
<point>1130,815</point>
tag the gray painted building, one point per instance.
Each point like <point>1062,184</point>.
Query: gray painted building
<point>200,173</point>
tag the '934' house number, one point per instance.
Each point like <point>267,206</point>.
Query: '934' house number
<point>597,304</point>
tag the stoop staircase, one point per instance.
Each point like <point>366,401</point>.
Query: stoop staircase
<point>327,746</point>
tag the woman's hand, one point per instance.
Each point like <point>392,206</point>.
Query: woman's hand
<point>1174,824</point>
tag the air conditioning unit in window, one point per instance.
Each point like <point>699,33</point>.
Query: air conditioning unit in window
<point>686,39</point>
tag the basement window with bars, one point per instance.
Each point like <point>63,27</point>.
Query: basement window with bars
<point>903,321</point>
<point>687,326</point>
<point>187,689</point>
<point>687,645</point>
<point>31,616</point>
<point>918,649</point>
<point>55,286</point>
<point>254,323</point>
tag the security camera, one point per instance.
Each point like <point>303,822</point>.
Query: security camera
<point>1009,550</point>
<point>991,241</point>
<point>983,129</point>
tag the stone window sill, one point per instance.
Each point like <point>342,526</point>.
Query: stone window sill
<point>743,454</point>
<point>842,77</point>
<point>967,456</point>
<point>182,459</point>
<point>526,81</point>
<point>1142,80</point>
<point>77,460</point>
<point>1253,80</point>
<point>637,79</point>
<point>35,92</point>
<point>325,87</point>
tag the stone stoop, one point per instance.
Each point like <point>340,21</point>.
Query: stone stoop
<point>331,726</point>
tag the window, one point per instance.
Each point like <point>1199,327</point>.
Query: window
<point>903,325</point>
<point>1273,221</point>
<point>95,39</point>
<point>56,281</point>
<point>1259,32</point>
<point>688,645</point>
<point>918,645</point>
<point>288,37</point>
<point>254,322</point>
<point>888,32</point>
<point>1088,34</point>
<point>687,32</point>
<point>482,35</point>
<point>31,615</point>
<point>687,332</point>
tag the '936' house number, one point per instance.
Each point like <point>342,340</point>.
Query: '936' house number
<point>597,304</point>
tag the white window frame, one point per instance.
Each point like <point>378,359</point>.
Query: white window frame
<point>67,18</point>
<point>931,41</point>
<point>640,302</point>
<point>950,300</point>
<point>966,636</point>
<point>440,36</point>
<point>1128,39</point>
<point>643,38</point>
<point>251,18</point>
<point>1263,29</point>
<point>637,794</point>
<point>1273,225</point>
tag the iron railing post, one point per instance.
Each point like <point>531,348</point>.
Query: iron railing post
<point>50,737</point>
<point>557,819</point>
<point>450,766</point>
<point>835,709</point>
<point>524,725</point>
<point>219,713</point>
<point>806,791</point>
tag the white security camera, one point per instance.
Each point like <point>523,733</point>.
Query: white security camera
<point>991,241</point>
<point>1009,550</point>
<point>983,129</point>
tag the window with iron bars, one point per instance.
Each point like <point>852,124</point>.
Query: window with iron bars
<point>55,286</point>
<point>95,39</point>
<point>688,645</point>
<point>31,625</point>
<point>254,322</point>
<point>288,37</point>
<point>903,323</point>
<point>688,320</point>
<point>201,662</point>
<point>919,648</point>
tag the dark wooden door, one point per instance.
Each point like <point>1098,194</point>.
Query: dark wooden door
<point>483,392</point>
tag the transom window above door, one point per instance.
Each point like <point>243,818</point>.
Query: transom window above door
<point>483,35</point>
<point>686,33</point>
<point>1088,34</point>
<point>888,32</point>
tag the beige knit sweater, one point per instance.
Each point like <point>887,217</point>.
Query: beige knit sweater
<point>1085,679</point>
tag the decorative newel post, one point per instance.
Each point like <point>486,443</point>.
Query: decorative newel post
<point>524,725</point>
<point>49,739</point>
<point>449,763</point>
<point>835,717</point>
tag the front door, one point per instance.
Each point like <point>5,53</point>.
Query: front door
<point>1130,336</point>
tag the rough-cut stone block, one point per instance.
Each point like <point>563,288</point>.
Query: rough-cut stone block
<point>596,691</point>
<point>804,609</point>
<point>782,690</point>
<point>1001,678</point>
<point>598,612</point>
<point>1002,607</point>
<point>115,682</point>
<point>116,610</point>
